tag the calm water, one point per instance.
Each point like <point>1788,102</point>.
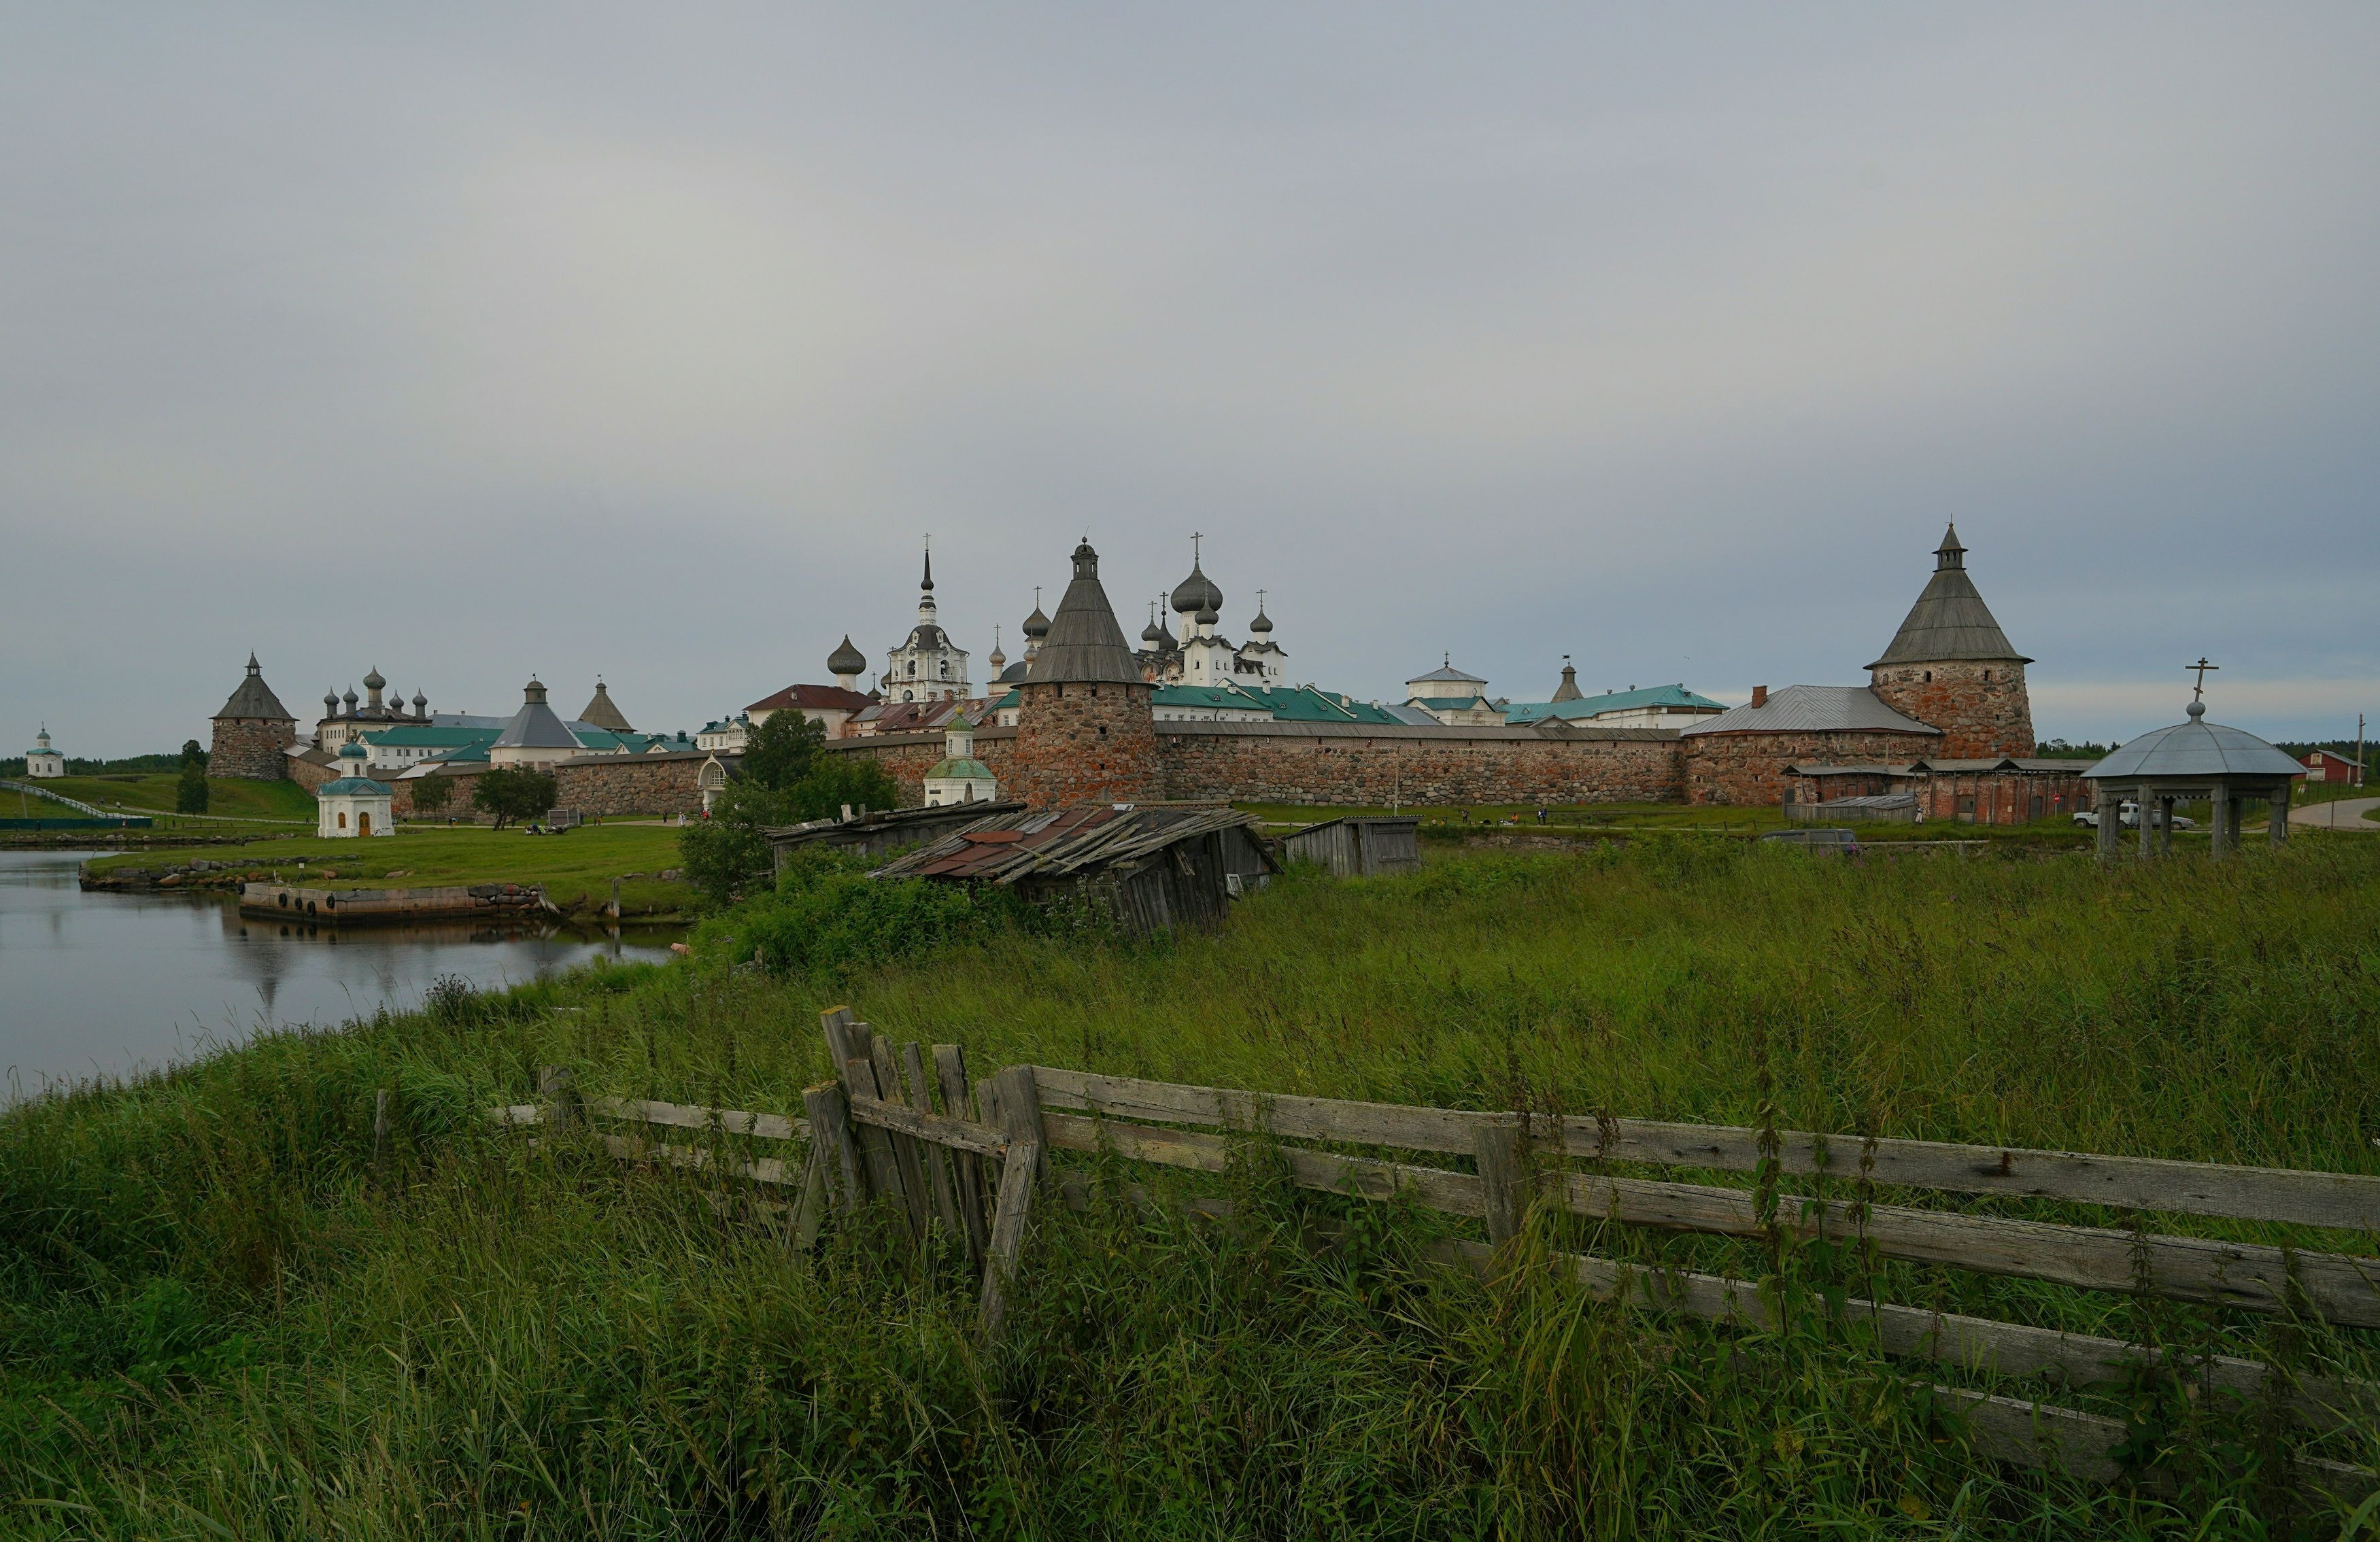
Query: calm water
<point>110,983</point>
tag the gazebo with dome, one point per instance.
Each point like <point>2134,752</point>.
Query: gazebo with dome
<point>2190,760</point>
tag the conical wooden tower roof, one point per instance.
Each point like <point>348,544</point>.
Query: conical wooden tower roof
<point>1085,643</point>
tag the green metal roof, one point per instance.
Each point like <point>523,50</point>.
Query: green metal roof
<point>1586,707</point>
<point>430,736</point>
<point>972,771</point>
<point>363,785</point>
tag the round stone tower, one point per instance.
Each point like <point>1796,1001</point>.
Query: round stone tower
<point>1085,729</point>
<point>1950,667</point>
<point>253,732</point>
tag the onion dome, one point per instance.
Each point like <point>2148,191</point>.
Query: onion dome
<point>1207,615</point>
<point>372,682</point>
<point>1037,626</point>
<point>349,698</point>
<point>846,659</point>
<point>330,704</point>
<point>1261,624</point>
<point>352,750</point>
<point>1198,592</point>
<point>420,703</point>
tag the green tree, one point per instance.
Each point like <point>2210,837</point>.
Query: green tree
<point>727,855</point>
<point>513,793</point>
<point>780,752</point>
<point>192,755</point>
<point>431,793</point>
<point>191,791</point>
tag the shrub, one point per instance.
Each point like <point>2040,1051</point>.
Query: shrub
<point>727,855</point>
<point>826,913</point>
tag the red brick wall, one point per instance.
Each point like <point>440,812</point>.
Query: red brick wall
<point>1749,768</point>
<point>1079,742</point>
<point>1418,767</point>
<point>255,748</point>
<point>1982,709</point>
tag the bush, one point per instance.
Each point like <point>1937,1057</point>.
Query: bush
<point>727,855</point>
<point>826,915</point>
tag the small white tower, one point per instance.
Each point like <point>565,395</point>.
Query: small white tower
<point>959,777</point>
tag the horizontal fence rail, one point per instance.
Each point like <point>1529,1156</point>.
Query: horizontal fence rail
<point>907,1127</point>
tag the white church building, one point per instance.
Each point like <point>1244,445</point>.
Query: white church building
<point>353,805</point>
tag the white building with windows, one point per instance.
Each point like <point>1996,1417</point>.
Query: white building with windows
<point>928,666</point>
<point>959,777</point>
<point>535,738</point>
<point>1453,698</point>
<point>42,761</point>
<point>353,805</point>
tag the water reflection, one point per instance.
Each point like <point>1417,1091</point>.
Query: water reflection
<point>102,984</point>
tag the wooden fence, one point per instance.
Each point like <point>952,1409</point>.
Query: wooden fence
<point>966,1157</point>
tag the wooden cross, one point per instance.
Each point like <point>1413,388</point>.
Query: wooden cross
<point>2198,691</point>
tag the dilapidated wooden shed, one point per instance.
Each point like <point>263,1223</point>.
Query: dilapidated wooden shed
<point>881,831</point>
<point>1152,868</point>
<point>1358,845</point>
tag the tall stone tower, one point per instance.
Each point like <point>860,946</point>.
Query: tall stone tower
<point>1950,666</point>
<point>1085,729</point>
<point>253,732</point>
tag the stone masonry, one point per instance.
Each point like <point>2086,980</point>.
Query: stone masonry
<point>1981,707</point>
<point>1083,742</point>
<point>255,748</point>
<point>1744,769</point>
<point>1299,763</point>
<point>600,786</point>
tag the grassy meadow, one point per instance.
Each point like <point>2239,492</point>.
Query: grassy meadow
<point>576,867</point>
<point>217,1320</point>
<point>152,792</point>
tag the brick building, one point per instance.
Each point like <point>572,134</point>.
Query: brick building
<point>253,732</point>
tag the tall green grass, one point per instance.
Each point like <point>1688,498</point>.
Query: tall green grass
<point>216,1318</point>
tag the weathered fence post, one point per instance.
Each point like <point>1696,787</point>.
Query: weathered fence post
<point>830,1116</point>
<point>1020,1117</point>
<point>848,1044</point>
<point>553,1089</point>
<point>950,1068</point>
<point>937,1157</point>
<point>1502,1151</point>
<point>904,1149</point>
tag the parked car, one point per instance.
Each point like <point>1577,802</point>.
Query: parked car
<point>2130,817</point>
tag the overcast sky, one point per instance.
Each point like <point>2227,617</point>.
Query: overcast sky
<point>651,342</point>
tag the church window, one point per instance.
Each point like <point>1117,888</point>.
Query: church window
<point>343,822</point>
<point>912,669</point>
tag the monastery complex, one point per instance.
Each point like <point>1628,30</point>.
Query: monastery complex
<point>1942,726</point>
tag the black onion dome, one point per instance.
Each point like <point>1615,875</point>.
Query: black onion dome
<point>1261,624</point>
<point>1037,626</point>
<point>846,659</point>
<point>1198,592</point>
<point>372,682</point>
<point>350,697</point>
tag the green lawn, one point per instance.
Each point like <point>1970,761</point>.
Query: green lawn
<point>152,792</point>
<point>219,1317</point>
<point>578,865</point>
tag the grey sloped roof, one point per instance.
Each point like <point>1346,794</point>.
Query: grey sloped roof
<point>1085,643</point>
<point>601,713</point>
<point>254,698</point>
<point>1812,710</point>
<point>536,725</point>
<point>1950,620</point>
<point>1447,672</point>
<point>2195,748</point>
